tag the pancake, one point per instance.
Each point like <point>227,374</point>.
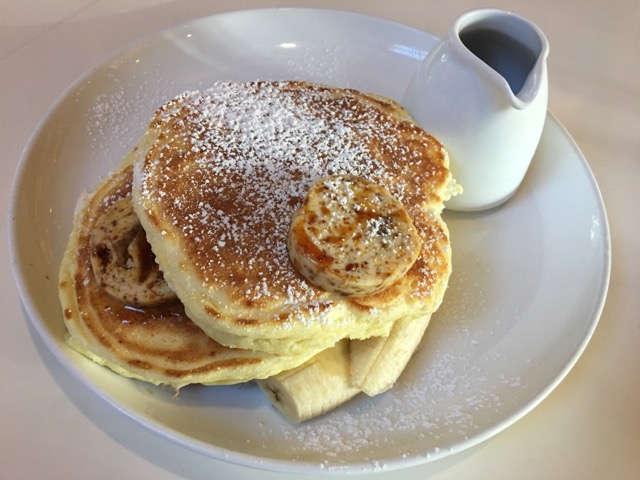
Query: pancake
<point>218,176</point>
<point>120,312</point>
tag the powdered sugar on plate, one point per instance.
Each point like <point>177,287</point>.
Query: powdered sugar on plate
<point>446,392</point>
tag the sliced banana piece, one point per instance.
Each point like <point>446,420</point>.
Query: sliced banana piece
<point>122,260</point>
<point>351,236</point>
<point>336,375</point>
<point>376,363</point>
<point>315,387</point>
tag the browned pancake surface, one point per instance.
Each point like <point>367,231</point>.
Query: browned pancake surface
<point>219,175</point>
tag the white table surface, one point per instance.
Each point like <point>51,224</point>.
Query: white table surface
<point>588,428</point>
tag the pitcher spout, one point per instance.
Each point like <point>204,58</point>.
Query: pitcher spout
<point>534,85</point>
<point>506,49</point>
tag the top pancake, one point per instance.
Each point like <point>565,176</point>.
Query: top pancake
<point>218,176</point>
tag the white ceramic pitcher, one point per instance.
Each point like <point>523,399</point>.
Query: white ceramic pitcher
<point>482,91</point>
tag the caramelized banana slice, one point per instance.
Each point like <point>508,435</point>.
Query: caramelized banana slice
<point>352,237</point>
<point>122,260</point>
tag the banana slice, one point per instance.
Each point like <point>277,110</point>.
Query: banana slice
<point>122,260</point>
<point>352,237</point>
<point>336,375</point>
<point>315,387</point>
<point>376,363</point>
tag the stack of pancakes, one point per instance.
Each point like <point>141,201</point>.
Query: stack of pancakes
<point>177,269</point>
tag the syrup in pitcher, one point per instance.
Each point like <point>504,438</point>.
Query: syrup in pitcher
<point>509,57</point>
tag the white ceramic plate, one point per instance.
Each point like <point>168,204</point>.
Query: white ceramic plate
<point>528,287</point>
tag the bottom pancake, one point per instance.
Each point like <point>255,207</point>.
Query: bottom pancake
<point>120,312</point>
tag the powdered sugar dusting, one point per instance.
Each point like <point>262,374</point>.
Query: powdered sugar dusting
<point>447,394</point>
<point>245,156</point>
